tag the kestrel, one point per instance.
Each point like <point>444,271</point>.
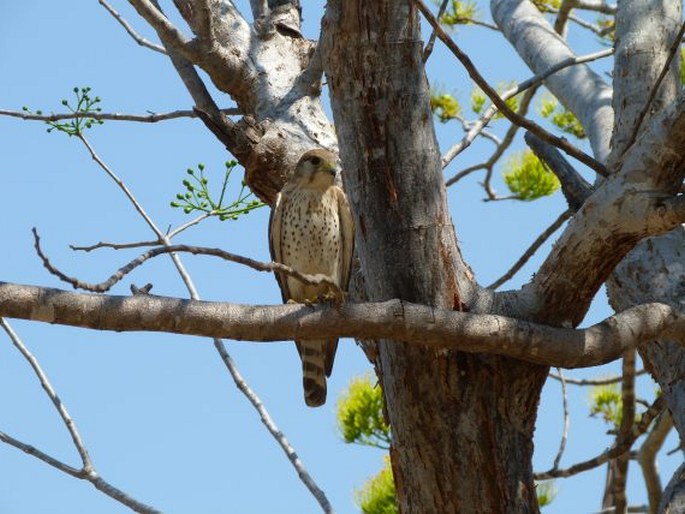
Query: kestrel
<point>311,230</point>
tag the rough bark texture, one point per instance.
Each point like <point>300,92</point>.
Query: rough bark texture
<point>451,413</point>
<point>654,269</point>
<point>645,30</point>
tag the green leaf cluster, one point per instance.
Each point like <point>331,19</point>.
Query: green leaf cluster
<point>444,106</point>
<point>547,5</point>
<point>459,13</point>
<point>562,117</point>
<point>377,495</point>
<point>197,196</point>
<point>360,414</point>
<point>528,178</point>
<point>478,99</point>
<point>84,104</point>
<point>606,402</point>
<point>546,491</point>
<point>682,66</point>
<point>608,26</point>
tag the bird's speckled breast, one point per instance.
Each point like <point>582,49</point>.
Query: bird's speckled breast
<point>311,241</point>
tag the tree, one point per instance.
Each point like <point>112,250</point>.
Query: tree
<point>461,366</point>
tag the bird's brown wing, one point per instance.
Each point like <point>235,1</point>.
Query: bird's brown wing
<point>275,225</point>
<point>347,239</point>
<point>347,236</point>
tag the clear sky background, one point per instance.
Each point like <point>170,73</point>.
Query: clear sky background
<point>159,413</point>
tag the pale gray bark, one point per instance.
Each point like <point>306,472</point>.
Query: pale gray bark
<point>581,90</point>
<point>271,72</point>
<point>440,328</point>
<point>645,31</point>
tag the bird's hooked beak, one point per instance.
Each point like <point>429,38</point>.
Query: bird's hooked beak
<point>331,167</point>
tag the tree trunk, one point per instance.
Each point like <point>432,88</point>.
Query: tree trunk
<point>450,413</point>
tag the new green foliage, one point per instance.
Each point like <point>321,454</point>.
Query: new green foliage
<point>377,495</point>
<point>546,492</point>
<point>528,178</point>
<point>606,402</point>
<point>561,117</point>
<point>459,13</point>
<point>197,196</point>
<point>360,414</point>
<point>444,106</point>
<point>84,104</point>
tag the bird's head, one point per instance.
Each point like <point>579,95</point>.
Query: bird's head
<point>316,169</point>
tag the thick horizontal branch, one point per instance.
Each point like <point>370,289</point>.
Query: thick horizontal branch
<point>393,319</point>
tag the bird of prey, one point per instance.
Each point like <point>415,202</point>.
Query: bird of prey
<point>311,230</point>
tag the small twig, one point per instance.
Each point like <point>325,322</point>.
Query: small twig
<point>464,173</point>
<point>619,448</point>
<point>143,118</point>
<point>652,94</point>
<point>526,84</point>
<point>431,40</point>
<point>632,509</point>
<point>594,381</point>
<point>271,267</point>
<point>138,244</point>
<point>127,26</point>
<point>563,217</point>
<point>564,434</point>
<point>275,432</point>
<point>113,246</point>
<point>87,472</point>
<point>54,398</point>
<point>559,142</point>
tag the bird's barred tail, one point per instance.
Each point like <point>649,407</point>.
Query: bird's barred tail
<point>313,372</point>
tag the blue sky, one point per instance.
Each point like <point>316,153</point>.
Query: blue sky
<point>159,413</point>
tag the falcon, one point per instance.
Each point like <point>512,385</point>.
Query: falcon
<point>311,230</point>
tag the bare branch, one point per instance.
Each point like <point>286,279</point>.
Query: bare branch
<point>54,398</point>
<point>594,381</point>
<point>564,434</point>
<point>646,457</point>
<point>561,143</point>
<point>428,50</point>
<point>144,118</point>
<point>275,432</point>
<point>274,267</point>
<point>172,38</point>
<point>127,26</point>
<point>526,84</point>
<point>615,451</point>
<point>87,472</point>
<point>260,9</point>
<point>564,11</point>
<point>539,241</point>
<point>394,319</point>
<point>113,246</point>
<point>617,486</point>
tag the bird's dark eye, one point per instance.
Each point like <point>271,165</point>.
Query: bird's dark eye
<point>316,161</point>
